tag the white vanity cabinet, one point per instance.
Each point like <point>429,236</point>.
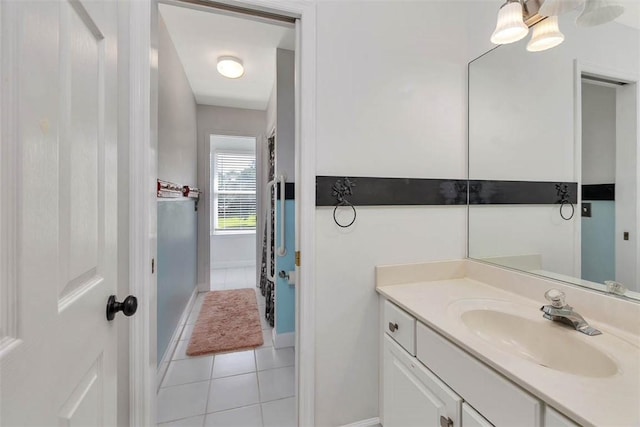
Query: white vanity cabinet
<point>443,386</point>
<point>496,398</point>
<point>413,396</point>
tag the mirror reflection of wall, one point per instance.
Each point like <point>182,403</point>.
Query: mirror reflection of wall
<point>533,119</point>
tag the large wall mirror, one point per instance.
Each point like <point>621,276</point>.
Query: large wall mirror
<point>553,157</point>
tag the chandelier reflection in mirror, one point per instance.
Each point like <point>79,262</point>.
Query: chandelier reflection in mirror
<point>515,17</point>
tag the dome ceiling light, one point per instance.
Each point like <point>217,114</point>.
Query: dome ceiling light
<point>230,67</point>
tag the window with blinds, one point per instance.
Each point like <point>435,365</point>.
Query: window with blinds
<point>234,192</point>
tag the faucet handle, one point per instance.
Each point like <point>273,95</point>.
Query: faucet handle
<point>555,297</point>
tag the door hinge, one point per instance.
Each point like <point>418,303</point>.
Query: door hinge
<point>153,265</point>
<point>297,258</point>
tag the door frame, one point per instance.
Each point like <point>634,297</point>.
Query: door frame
<point>585,67</point>
<point>143,107</point>
<point>143,143</point>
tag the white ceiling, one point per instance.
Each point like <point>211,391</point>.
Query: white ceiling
<point>200,37</point>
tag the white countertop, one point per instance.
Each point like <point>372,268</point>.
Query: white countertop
<point>600,401</point>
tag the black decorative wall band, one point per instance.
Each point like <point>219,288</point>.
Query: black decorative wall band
<point>289,191</point>
<point>521,192</point>
<point>370,191</point>
<point>599,192</point>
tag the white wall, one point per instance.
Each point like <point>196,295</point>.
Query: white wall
<point>391,102</point>
<point>219,121</point>
<point>176,116</point>
<point>517,130</point>
<point>285,115</point>
<point>233,250</point>
<point>523,230</point>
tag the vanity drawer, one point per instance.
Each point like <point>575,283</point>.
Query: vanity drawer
<point>400,326</point>
<point>501,402</point>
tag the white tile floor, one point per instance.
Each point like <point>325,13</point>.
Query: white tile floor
<point>244,389</point>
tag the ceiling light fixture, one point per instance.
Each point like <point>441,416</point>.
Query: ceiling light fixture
<point>546,34</point>
<point>515,17</point>
<point>510,26</point>
<point>230,67</point>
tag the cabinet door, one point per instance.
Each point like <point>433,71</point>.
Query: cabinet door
<point>471,418</point>
<point>496,398</point>
<point>552,418</point>
<point>412,395</point>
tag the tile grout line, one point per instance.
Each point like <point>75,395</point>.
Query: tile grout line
<point>178,419</point>
<point>255,360</point>
<point>206,406</point>
<point>188,416</point>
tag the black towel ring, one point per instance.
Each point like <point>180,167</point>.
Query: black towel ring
<point>341,189</point>
<point>563,192</point>
<point>573,209</point>
<point>344,203</point>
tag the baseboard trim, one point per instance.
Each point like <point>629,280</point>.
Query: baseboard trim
<point>203,287</point>
<point>166,357</point>
<point>283,340</point>
<point>371,422</point>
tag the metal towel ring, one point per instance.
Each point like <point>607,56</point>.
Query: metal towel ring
<point>340,190</point>
<point>355,214</point>
<point>573,209</point>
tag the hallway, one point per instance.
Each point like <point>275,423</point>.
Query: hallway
<point>252,388</point>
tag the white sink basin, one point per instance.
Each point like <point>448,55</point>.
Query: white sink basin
<point>543,342</point>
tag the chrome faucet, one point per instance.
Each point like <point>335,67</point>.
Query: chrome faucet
<point>560,312</point>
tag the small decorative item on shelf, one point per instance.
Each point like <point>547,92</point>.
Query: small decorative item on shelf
<point>191,192</point>
<point>168,189</point>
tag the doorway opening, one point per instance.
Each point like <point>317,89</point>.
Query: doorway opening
<point>244,142</point>
<point>609,180</point>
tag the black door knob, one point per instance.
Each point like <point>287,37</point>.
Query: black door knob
<point>128,306</point>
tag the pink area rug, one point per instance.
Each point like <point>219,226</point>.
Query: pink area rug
<point>228,321</point>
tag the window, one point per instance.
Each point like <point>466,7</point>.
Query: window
<point>234,192</point>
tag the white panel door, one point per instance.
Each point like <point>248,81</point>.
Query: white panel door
<point>58,212</point>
